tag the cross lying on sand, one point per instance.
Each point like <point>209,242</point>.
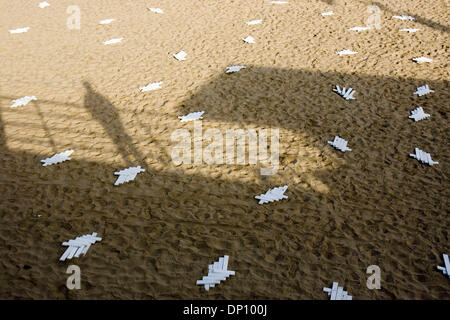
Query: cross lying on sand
<point>422,59</point>
<point>272,195</point>
<point>156,10</point>
<point>446,268</point>
<point>347,95</point>
<point>44,4</point>
<point>340,144</point>
<point>127,174</point>
<point>410,30</point>
<point>249,39</point>
<point>418,114</point>
<point>423,157</point>
<point>78,246</point>
<point>423,90</point>
<point>151,86</point>
<point>106,21</point>
<point>337,293</point>
<point>180,55</point>
<point>216,272</point>
<point>20,30</point>
<point>359,29</point>
<point>234,69</point>
<point>22,101</point>
<point>404,17</point>
<point>346,52</point>
<point>57,158</point>
<point>192,116</point>
<point>112,41</point>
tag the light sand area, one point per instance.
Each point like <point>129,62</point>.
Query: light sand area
<point>372,206</point>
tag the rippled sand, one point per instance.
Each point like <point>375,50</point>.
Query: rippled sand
<point>346,211</point>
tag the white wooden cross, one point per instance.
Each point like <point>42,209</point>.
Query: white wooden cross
<point>337,293</point>
<point>422,59</point>
<point>156,10</point>
<point>192,116</point>
<point>272,195</point>
<point>232,69</point>
<point>344,93</point>
<point>112,41</point>
<point>151,86</point>
<point>78,246</point>
<point>57,158</point>
<point>127,174</point>
<point>346,52</point>
<point>253,22</point>
<point>410,30</point>
<point>20,30</point>
<point>404,17</point>
<point>340,144</point>
<point>423,90</point>
<point>106,21</point>
<point>359,29</point>
<point>22,101</point>
<point>180,55</point>
<point>44,4</point>
<point>418,114</point>
<point>423,157</point>
<point>249,39</point>
<point>218,271</point>
<point>446,268</point>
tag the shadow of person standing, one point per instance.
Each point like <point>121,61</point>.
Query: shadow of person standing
<point>103,111</point>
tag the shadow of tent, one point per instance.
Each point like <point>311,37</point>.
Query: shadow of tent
<point>378,189</point>
<point>162,230</point>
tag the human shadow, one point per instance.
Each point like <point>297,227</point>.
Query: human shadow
<point>105,113</point>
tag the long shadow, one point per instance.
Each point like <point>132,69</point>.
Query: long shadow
<point>105,113</point>
<point>162,230</point>
<point>377,180</point>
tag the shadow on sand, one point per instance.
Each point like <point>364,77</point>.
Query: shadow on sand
<point>162,230</point>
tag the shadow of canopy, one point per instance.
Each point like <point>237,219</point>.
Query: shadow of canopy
<point>382,208</point>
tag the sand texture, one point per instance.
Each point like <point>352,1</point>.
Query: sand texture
<point>372,206</point>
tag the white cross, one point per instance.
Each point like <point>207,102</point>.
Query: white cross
<point>217,272</point>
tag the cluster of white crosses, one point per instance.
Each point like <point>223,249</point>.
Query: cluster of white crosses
<point>218,271</point>
<point>416,114</point>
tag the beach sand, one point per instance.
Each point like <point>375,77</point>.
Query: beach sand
<point>346,211</point>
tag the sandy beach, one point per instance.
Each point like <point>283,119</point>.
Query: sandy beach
<point>345,211</point>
